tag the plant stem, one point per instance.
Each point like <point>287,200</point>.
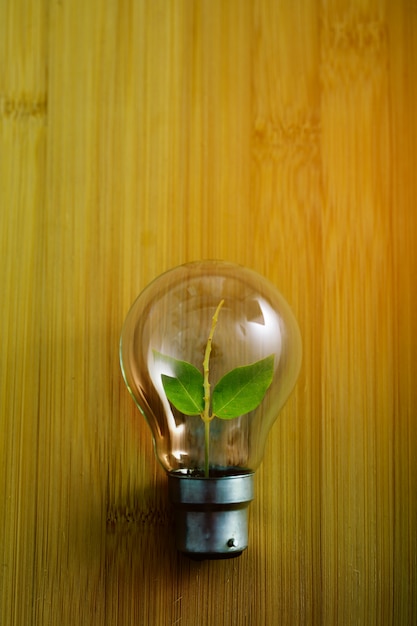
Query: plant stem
<point>206,448</point>
<point>206,414</point>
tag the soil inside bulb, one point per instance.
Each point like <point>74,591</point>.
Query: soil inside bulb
<point>216,472</point>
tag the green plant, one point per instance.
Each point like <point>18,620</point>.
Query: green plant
<point>239,391</point>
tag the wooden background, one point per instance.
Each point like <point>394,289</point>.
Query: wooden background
<point>139,134</point>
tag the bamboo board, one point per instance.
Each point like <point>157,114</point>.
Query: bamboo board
<point>139,135</point>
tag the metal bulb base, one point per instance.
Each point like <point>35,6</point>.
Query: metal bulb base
<point>211,514</point>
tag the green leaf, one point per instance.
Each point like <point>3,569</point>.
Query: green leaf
<point>242,389</point>
<point>185,388</point>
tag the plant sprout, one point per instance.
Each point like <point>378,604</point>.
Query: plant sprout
<point>239,391</point>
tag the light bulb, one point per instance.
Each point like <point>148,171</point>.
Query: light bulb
<point>210,352</point>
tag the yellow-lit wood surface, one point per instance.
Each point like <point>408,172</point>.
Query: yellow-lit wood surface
<point>137,135</point>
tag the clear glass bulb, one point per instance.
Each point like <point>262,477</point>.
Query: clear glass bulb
<point>171,321</point>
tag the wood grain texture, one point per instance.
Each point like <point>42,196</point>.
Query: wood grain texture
<point>135,136</point>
